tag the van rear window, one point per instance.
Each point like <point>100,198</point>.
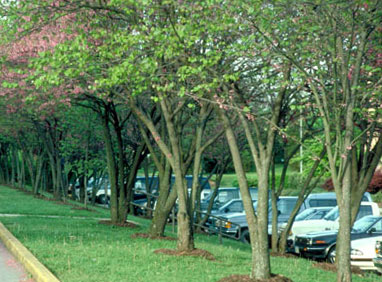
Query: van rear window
<point>322,203</point>
<point>364,211</point>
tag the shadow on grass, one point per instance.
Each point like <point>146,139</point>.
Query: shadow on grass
<point>246,278</point>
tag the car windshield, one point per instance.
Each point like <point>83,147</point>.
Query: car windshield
<point>332,215</point>
<point>303,215</point>
<point>363,224</point>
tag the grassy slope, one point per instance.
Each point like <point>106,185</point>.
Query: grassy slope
<point>83,250</point>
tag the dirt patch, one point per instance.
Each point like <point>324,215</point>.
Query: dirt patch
<point>147,236</point>
<point>194,253</point>
<point>82,209</point>
<point>285,255</point>
<point>246,278</point>
<point>333,268</point>
<point>126,224</point>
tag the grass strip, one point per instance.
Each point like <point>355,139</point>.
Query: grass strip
<point>77,249</point>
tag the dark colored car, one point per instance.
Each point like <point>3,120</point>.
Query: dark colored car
<point>233,206</point>
<point>235,224</point>
<point>322,245</point>
<point>224,195</point>
<point>141,191</point>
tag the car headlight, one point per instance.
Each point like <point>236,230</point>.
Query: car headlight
<point>223,223</point>
<point>355,252</point>
<point>378,247</point>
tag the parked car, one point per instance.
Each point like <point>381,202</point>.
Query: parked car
<point>322,245</point>
<point>92,184</point>
<point>378,253</point>
<point>101,197</point>
<point>313,213</point>
<point>235,224</point>
<point>233,206</point>
<point>141,191</point>
<point>363,251</point>
<point>329,222</point>
<point>224,195</point>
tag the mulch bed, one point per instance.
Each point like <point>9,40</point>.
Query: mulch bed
<point>246,278</point>
<point>194,253</point>
<point>126,224</point>
<point>147,236</point>
<point>333,268</point>
<point>82,209</point>
<point>285,255</point>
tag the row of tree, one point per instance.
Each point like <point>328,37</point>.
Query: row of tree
<point>169,79</point>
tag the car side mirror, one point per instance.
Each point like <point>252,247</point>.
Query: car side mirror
<point>372,230</point>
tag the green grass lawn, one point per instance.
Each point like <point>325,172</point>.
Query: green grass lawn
<point>83,250</point>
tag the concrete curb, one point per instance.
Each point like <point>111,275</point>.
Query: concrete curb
<point>26,258</point>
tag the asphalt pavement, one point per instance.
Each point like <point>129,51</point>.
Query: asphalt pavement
<point>10,269</point>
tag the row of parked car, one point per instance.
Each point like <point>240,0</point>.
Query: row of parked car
<point>314,231</point>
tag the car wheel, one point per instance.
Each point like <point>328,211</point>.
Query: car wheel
<point>244,237</point>
<point>103,200</point>
<point>332,255</point>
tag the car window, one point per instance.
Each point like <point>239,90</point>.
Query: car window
<point>363,224</point>
<point>363,211</point>
<point>305,214</point>
<point>285,206</point>
<point>318,215</point>
<point>332,215</point>
<point>253,194</point>
<point>378,226</point>
<point>323,202</point>
<point>236,206</point>
<point>223,196</point>
<point>140,184</point>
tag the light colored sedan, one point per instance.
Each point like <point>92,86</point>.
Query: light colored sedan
<point>363,252</point>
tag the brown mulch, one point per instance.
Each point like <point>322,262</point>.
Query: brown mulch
<point>333,268</point>
<point>147,236</point>
<point>126,224</point>
<point>194,253</point>
<point>285,255</point>
<point>246,278</point>
<point>82,209</point>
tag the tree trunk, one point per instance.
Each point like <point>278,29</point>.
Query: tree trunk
<point>257,225</point>
<point>260,257</point>
<point>13,173</point>
<point>274,221</point>
<point>343,237</point>
<point>166,203</point>
<point>185,228</point>
<point>39,165</point>
<point>111,170</point>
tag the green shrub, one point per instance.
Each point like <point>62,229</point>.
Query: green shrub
<point>252,182</point>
